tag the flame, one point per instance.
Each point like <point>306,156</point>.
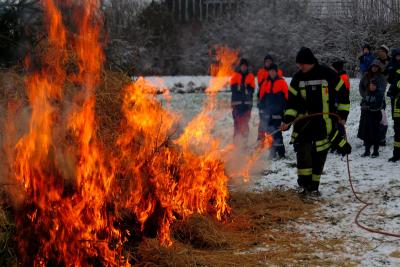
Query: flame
<point>72,220</point>
<point>153,174</point>
<point>264,145</point>
<point>182,182</point>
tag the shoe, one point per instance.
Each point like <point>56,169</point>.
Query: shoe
<point>394,159</point>
<point>301,191</point>
<point>375,155</point>
<point>314,193</point>
<point>366,154</point>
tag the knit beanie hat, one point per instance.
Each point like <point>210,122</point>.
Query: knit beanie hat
<point>338,65</point>
<point>384,48</point>
<point>244,61</point>
<point>306,56</point>
<point>268,56</point>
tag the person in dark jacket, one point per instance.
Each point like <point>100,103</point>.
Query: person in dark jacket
<point>392,68</point>
<point>338,67</point>
<point>315,89</point>
<point>375,73</point>
<point>263,73</point>
<point>272,99</point>
<point>262,76</point>
<point>371,116</point>
<point>366,59</point>
<point>394,94</point>
<point>242,88</point>
<point>384,58</point>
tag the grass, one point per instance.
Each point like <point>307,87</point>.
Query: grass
<point>260,232</point>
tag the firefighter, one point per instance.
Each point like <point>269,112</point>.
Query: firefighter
<point>262,76</point>
<point>338,67</point>
<point>315,89</point>
<point>394,94</point>
<point>263,73</point>
<point>242,88</point>
<point>272,99</point>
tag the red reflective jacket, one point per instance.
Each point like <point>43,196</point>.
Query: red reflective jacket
<point>278,86</point>
<point>249,79</point>
<point>242,88</point>
<point>263,74</point>
<point>346,80</point>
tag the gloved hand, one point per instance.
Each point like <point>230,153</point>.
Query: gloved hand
<point>284,127</point>
<point>344,150</point>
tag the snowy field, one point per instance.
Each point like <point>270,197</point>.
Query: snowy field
<point>376,180</point>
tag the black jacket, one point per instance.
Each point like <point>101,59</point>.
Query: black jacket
<point>371,116</point>
<point>394,77</point>
<point>319,91</point>
<point>366,79</point>
<point>242,88</point>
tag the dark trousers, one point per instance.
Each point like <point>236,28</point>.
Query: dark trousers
<point>368,146</point>
<point>269,124</point>
<point>396,151</point>
<point>241,118</point>
<point>383,129</point>
<point>310,165</point>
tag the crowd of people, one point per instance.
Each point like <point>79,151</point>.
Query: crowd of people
<point>377,73</point>
<point>316,104</point>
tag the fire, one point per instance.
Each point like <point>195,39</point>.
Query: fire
<point>75,194</point>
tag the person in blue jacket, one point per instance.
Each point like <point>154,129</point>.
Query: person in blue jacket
<point>366,59</point>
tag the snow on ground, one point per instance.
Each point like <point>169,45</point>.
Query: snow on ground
<point>376,180</point>
<point>180,84</point>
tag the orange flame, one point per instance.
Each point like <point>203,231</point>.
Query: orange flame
<point>182,182</point>
<point>155,174</point>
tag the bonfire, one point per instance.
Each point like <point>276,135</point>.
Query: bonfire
<point>79,198</point>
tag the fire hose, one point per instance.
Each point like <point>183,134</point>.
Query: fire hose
<point>358,198</point>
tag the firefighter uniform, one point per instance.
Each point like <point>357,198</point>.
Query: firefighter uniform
<point>338,66</point>
<point>345,78</point>
<point>394,93</point>
<point>272,101</point>
<point>242,88</point>
<point>320,90</point>
<point>262,75</point>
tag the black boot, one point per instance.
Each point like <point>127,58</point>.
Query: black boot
<point>367,152</point>
<point>396,156</point>
<point>375,154</point>
<point>281,152</point>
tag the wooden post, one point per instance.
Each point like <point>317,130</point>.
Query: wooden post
<point>207,10</point>
<point>194,9</point>
<point>201,9</point>
<point>180,10</point>
<point>186,10</point>
<point>173,8</point>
